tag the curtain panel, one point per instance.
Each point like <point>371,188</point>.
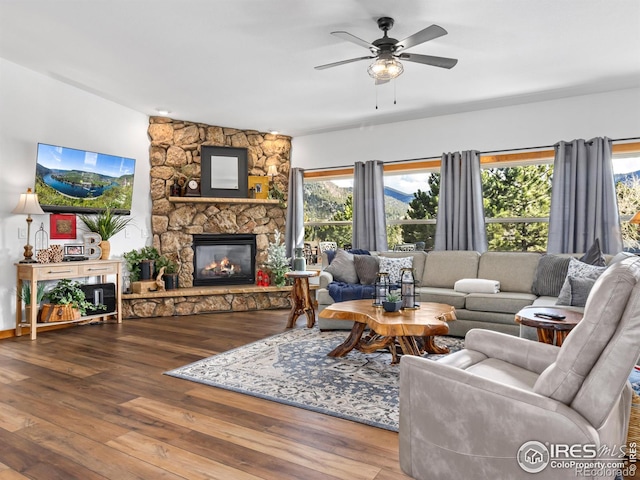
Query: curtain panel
<point>460,220</point>
<point>584,205</point>
<point>369,221</point>
<point>294,227</point>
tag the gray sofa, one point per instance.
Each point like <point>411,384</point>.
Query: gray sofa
<point>437,273</point>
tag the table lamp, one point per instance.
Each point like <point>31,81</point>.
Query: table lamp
<point>28,205</point>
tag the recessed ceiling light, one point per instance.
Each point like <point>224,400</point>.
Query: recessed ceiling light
<point>163,111</point>
<point>273,132</point>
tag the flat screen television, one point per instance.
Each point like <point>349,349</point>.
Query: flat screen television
<point>79,181</point>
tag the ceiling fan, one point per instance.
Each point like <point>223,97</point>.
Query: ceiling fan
<point>387,51</point>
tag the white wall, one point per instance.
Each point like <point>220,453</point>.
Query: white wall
<point>35,108</point>
<point>613,114</point>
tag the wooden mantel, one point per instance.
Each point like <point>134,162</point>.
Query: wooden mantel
<point>222,200</point>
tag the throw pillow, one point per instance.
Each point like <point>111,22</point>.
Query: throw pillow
<point>580,289</point>
<point>342,267</point>
<point>367,268</point>
<point>550,274</point>
<point>392,266</point>
<point>594,256</point>
<point>577,269</point>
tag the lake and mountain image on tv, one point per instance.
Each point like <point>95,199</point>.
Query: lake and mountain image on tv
<point>71,180</point>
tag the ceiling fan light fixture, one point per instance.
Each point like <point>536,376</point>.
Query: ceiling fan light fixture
<point>385,69</point>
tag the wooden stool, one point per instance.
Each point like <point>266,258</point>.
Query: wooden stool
<point>301,300</point>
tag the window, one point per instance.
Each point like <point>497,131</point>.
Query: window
<point>626,171</point>
<point>328,210</point>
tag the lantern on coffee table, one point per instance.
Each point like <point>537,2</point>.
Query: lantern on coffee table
<point>408,289</point>
<point>381,289</point>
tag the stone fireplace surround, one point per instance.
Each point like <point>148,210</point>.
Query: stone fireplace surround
<point>175,153</point>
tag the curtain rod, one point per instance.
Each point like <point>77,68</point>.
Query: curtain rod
<point>541,147</point>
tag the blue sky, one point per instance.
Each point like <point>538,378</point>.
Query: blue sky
<point>62,158</point>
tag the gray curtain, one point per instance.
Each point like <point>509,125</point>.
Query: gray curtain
<point>369,221</point>
<point>583,198</point>
<point>460,220</point>
<point>294,227</point>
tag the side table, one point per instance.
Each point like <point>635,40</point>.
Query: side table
<point>550,331</point>
<point>301,299</point>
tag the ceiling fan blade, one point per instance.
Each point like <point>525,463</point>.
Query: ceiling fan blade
<point>442,62</point>
<point>429,33</point>
<point>343,62</point>
<point>353,39</point>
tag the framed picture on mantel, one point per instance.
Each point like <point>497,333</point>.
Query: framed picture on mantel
<point>224,172</point>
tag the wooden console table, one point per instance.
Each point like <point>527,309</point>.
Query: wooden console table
<point>35,272</point>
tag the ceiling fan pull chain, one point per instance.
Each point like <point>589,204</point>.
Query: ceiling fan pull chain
<point>394,91</point>
<point>376,87</point>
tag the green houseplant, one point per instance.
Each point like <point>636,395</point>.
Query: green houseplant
<point>277,261</point>
<point>135,259</point>
<point>170,271</point>
<point>25,296</point>
<point>106,224</point>
<point>67,301</point>
<point>393,303</point>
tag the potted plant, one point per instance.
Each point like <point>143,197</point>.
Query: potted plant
<point>277,261</point>
<point>170,272</point>
<point>141,263</point>
<point>25,296</point>
<point>66,302</point>
<point>392,303</point>
<point>106,224</point>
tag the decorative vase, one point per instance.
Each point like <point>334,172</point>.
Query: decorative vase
<point>299,262</point>
<point>170,281</point>
<point>105,246</point>
<point>146,269</point>
<point>392,306</point>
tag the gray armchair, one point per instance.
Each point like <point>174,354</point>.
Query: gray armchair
<point>467,415</point>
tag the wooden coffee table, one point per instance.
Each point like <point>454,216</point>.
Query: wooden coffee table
<point>550,331</point>
<point>408,327</point>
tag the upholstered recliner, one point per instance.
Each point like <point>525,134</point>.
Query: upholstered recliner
<point>467,415</point>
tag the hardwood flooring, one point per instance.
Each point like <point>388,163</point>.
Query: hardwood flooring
<point>91,402</point>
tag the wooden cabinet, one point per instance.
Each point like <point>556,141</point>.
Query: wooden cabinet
<point>35,272</point>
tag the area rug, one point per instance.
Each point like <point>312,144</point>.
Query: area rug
<point>293,368</point>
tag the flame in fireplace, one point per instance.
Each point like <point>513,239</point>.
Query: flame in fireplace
<point>223,267</point>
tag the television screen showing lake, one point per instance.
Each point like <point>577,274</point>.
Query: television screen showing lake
<point>80,181</point>
<point>76,190</point>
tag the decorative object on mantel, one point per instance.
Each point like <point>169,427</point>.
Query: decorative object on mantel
<point>28,205</point>
<point>134,258</point>
<point>274,191</point>
<point>106,224</point>
<point>277,261</point>
<point>259,185</point>
<point>224,172</point>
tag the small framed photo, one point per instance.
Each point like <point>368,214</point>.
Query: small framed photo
<point>260,185</point>
<point>62,226</point>
<point>74,250</point>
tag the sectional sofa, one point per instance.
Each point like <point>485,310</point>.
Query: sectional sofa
<point>437,273</point>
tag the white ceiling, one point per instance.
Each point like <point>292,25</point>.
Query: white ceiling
<point>249,63</point>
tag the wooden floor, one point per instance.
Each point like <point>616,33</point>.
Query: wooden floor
<point>91,402</point>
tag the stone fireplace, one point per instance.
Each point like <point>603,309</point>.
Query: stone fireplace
<point>175,154</point>
<point>224,259</point>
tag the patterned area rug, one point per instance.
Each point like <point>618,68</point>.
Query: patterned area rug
<point>293,368</point>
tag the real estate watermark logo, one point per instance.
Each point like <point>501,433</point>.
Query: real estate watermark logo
<point>587,460</point>
<point>533,457</point>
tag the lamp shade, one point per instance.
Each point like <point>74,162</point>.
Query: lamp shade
<point>28,204</point>
<point>272,171</point>
<point>635,218</point>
